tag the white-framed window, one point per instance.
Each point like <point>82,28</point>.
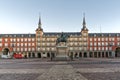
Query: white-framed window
<point>95,44</point>
<point>14,39</point>
<point>21,44</point>
<point>25,39</point>
<point>25,44</point>
<point>43,49</point>
<point>99,44</point>
<point>0,39</point>
<point>29,49</point>
<point>48,44</point>
<point>38,44</point>
<point>95,39</point>
<point>91,43</point>
<point>33,39</point>
<point>18,44</point>
<point>53,49</point>
<point>38,39</point>
<point>91,49</point>
<point>95,48</point>
<point>99,48</point>
<point>0,44</point>
<point>38,49</point>
<point>21,49</point>
<point>48,49</point>
<point>33,49</point>
<point>29,44</point>
<point>33,44</point>
<point>102,43</point>
<point>29,39</point>
<point>6,44</point>
<point>106,43</point>
<point>90,39</point>
<point>6,39</point>
<point>102,39</point>
<point>21,39</point>
<point>106,39</point>
<point>43,44</point>
<point>113,39</point>
<point>25,49</point>
<point>106,48</point>
<point>85,39</point>
<point>18,39</point>
<point>18,49</point>
<point>98,39</point>
<point>103,48</point>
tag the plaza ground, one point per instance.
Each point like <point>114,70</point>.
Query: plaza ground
<point>45,69</point>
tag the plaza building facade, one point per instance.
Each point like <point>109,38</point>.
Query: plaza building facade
<point>44,44</point>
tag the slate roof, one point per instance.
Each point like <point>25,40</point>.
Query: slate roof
<point>59,33</point>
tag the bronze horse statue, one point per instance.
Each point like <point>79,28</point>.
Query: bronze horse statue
<point>62,38</point>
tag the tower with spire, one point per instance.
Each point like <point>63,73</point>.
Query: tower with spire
<point>39,30</point>
<point>84,23</point>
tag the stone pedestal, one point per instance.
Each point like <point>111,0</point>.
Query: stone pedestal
<point>62,51</point>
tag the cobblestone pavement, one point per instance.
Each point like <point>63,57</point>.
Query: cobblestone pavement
<point>44,69</point>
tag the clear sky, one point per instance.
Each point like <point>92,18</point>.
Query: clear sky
<point>21,16</point>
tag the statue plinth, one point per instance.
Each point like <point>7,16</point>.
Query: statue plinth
<point>62,51</point>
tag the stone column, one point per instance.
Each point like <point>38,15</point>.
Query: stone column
<point>113,54</point>
<point>88,54</point>
<point>93,54</point>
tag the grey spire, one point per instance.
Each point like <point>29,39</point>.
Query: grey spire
<point>39,23</point>
<point>84,23</point>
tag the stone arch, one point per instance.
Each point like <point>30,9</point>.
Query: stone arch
<point>6,51</point>
<point>117,52</point>
<point>39,55</point>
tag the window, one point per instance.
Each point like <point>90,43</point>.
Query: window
<point>90,48</point>
<point>95,44</point>
<point>18,44</point>
<point>102,39</point>
<point>0,40</point>
<point>33,49</point>
<point>106,48</point>
<point>6,39</point>
<point>29,44</point>
<point>103,48</point>
<point>33,44</point>
<point>29,39</point>
<point>33,39</point>
<point>99,44</point>
<point>0,44</point>
<point>99,48</point>
<point>91,44</point>
<point>102,43</point>
<point>90,39</point>
<point>29,49</point>
<point>21,44</point>
<point>95,48</point>
<point>25,39</point>
<point>25,44</point>
<point>112,39</point>
<point>98,39</point>
<point>21,49</point>
<point>21,39</point>
<point>18,39</point>
<point>25,49</point>
<point>94,39</point>
<point>18,49</point>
